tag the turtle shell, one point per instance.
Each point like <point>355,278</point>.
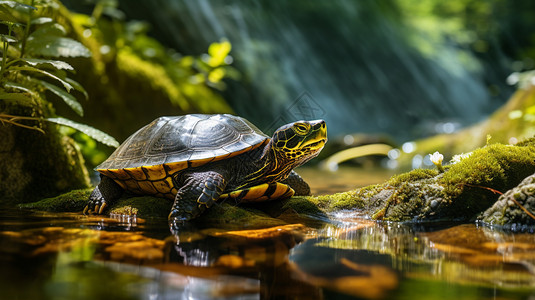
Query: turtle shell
<point>170,144</point>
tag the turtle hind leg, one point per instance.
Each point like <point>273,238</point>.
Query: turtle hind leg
<point>106,192</point>
<point>198,192</point>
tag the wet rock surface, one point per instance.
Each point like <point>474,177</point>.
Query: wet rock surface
<point>513,209</point>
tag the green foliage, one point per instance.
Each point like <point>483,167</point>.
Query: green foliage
<point>88,130</point>
<point>190,82</point>
<point>470,24</point>
<point>30,66</point>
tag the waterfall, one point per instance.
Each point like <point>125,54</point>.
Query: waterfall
<point>353,63</point>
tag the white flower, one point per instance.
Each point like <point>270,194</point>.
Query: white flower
<point>460,157</point>
<point>436,158</point>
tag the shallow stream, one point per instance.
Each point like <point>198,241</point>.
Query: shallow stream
<point>70,256</point>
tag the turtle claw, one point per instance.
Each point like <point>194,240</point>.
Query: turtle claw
<point>102,207</point>
<point>95,206</point>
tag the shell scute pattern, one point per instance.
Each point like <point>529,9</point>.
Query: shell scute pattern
<point>146,161</point>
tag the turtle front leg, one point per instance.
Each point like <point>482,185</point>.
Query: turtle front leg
<point>198,192</point>
<point>297,183</point>
<point>106,192</point>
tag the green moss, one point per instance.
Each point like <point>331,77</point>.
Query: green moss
<point>69,202</point>
<point>34,165</point>
<point>526,142</point>
<point>345,200</point>
<point>414,175</point>
<point>302,205</point>
<point>475,182</point>
<point>242,217</point>
<point>464,190</point>
<point>460,193</point>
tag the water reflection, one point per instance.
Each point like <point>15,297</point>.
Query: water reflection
<point>63,256</point>
<point>383,259</point>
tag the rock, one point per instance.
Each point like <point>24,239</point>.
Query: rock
<point>69,202</point>
<point>34,165</point>
<point>465,189</point>
<point>510,209</point>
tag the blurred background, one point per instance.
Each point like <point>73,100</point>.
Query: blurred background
<point>402,67</point>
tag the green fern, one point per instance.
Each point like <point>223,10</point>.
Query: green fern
<point>31,65</point>
<point>90,131</point>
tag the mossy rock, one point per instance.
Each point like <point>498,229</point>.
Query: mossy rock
<point>510,209</point>
<point>33,164</point>
<point>219,214</point>
<point>463,191</point>
<point>69,202</point>
<point>152,207</point>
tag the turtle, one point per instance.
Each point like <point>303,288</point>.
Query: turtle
<point>197,159</point>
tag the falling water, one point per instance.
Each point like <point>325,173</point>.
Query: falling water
<point>353,62</point>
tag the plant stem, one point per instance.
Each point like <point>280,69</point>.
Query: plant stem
<point>13,120</point>
<point>4,53</point>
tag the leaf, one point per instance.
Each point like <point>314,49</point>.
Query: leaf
<point>68,98</point>
<point>67,86</point>
<point>8,38</point>
<point>18,86</point>
<point>6,16</point>
<point>7,7</point>
<point>113,13</point>
<point>90,131</point>
<point>58,64</point>
<point>77,86</point>
<point>14,4</point>
<point>53,46</point>
<point>51,29</point>
<point>218,52</point>
<point>51,4</point>
<point>15,97</point>
<point>41,20</point>
<point>14,24</point>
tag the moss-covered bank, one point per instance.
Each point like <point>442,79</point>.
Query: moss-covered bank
<point>462,192</point>
<point>466,188</point>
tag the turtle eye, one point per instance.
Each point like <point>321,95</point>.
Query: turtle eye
<point>301,128</point>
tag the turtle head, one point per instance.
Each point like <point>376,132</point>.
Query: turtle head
<point>296,143</point>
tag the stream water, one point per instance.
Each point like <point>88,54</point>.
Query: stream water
<point>70,256</point>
